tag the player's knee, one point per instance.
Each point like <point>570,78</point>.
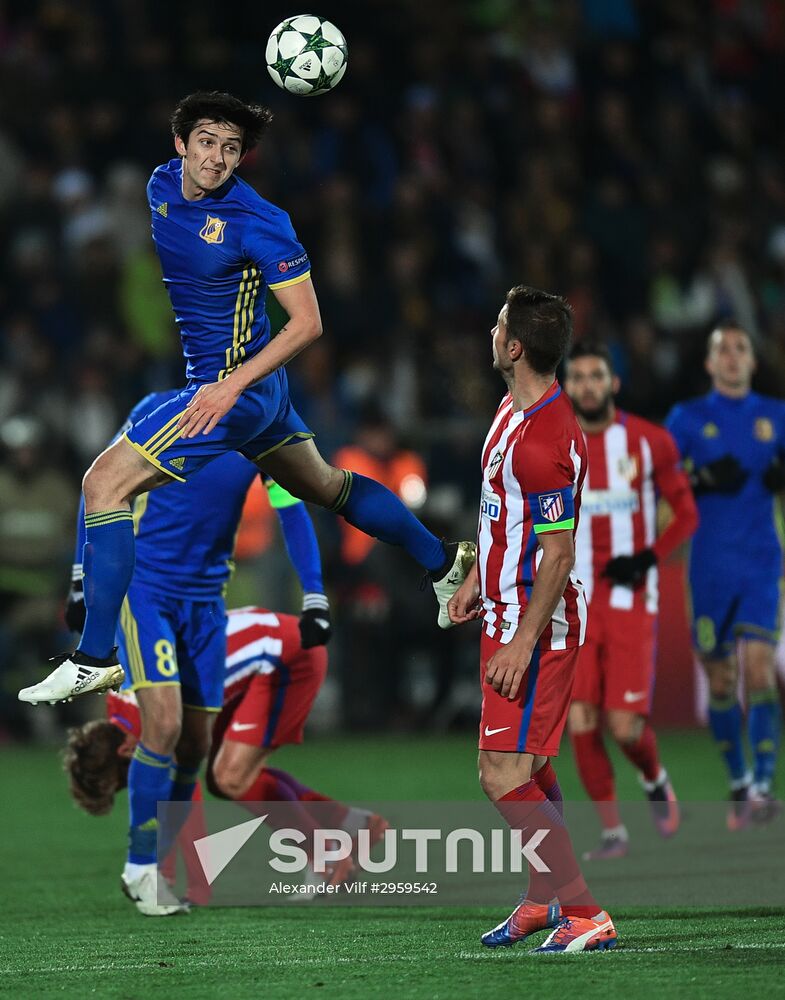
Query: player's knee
<point>230,782</point>
<point>625,729</point>
<point>97,485</point>
<point>759,674</point>
<point>582,718</point>
<point>191,751</point>
<point>160,733</point>
<point>722,678</point>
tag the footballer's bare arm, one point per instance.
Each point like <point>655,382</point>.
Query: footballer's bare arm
<point>303,327</point>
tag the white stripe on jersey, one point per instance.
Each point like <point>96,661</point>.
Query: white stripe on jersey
<point>485,529</point>
<point>513,499</point>
<point>649,508</point>
<point>246,617</point>
<point>622,533</point>
<point>262,648</point>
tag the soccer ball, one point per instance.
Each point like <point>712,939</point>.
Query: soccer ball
<point>306,55</point>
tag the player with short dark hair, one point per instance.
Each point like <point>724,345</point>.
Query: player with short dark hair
<point>534,614</point>
<point>733,441</point>
<point>632,465</point>
<point>221,246</point>
<point>252,120</point>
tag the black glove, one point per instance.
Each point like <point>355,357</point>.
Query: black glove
<point>723,475</point>
<point>774,476</point>
<point>315,627</point>
<point>75,611</point>
<point>630,570</point>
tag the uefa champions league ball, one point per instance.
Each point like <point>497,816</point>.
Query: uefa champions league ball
<point>306,55</point>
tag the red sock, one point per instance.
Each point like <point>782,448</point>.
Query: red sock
<point>596,771</point>
<point>528,808</point>
<point>331,813</point>
<point>644,754</point>
<point>549,783</point>
<point>287,811</point>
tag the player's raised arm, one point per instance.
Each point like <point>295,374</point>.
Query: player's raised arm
<point>674,488</point>
<point>215,400</point>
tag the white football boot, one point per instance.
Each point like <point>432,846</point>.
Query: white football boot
<point>75,674</point>
<point>151,893</point>
<point>446,586</point>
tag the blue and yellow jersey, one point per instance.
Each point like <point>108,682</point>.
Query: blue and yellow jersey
<point>185,535</point>
<point>736,529</point>
<point>218,256</point>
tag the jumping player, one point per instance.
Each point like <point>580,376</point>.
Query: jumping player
<point>534,614</point>
<point>734,443</point>
<point>172,631</point>
<point>632,463</point>
<point>270,683</point>
<point>221,246</point>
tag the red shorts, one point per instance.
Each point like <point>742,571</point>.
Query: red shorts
<point>273,707</point>
<point>616,665</point>
<point>534,721</point>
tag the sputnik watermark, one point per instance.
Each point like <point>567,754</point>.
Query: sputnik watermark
<point>494,851</point>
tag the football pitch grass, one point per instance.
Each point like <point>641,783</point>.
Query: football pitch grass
<point>66,931</point>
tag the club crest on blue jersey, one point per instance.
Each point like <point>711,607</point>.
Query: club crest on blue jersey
<point>552,506</point>
<point>213,230</point>
<point>764,429</point>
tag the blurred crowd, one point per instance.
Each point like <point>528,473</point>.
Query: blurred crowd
<point>629,155</point>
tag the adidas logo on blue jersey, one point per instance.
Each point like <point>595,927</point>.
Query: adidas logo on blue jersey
<point>163,209</point>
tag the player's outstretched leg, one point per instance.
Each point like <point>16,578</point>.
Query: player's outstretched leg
<point>377,511</point>
<point>115,476</point>
<point>374,509</point>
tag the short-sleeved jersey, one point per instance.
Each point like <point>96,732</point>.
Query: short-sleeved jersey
<point>632,462</point>
<point>185,535</point>
<point>736,529</point>
<point>218,255</point>
<point>258,642</point>
<point>533,467</point>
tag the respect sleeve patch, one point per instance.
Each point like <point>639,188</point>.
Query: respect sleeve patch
<point>554,511</point>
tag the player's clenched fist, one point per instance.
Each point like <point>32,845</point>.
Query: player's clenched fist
<point>465,604</point>
<point>210,403</point>
<point>505,669</point>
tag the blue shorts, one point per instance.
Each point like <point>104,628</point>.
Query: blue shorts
<point>726,607</point>
<point>168,640</point>
<point>261,420</point>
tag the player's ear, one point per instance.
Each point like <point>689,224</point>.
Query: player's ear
<point>179,145</point>
<point>514,349</point>
<point>127,747</point>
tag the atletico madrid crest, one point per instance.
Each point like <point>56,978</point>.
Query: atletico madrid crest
<point>552,506</point>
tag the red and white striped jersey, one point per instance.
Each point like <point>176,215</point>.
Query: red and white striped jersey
<point>631,463</point>
<point>258,642</point>
<point>533,466</point>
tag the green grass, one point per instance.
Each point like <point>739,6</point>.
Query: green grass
<point>65,929</point>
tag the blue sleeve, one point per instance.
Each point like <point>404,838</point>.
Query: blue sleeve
<point>76,572</point>
<point>301,545</point>
<point>270,241</point>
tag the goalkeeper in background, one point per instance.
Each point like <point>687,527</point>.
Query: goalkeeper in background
<point>733,444</point>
